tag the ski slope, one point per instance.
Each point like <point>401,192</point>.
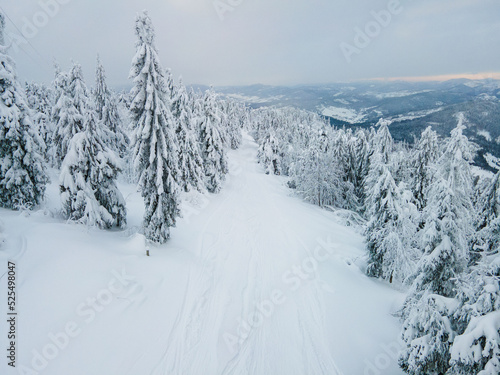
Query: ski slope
<point>254,281</point>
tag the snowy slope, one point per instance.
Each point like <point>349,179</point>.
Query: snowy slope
<point>253,281</point>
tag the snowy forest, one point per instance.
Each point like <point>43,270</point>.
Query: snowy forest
<point>430,218</point>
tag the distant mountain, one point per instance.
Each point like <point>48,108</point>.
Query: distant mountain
<point>409,107</point>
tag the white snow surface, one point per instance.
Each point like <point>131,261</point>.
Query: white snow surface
<point>348,115</point>
<point>173,312</point>
<point>492,161</point>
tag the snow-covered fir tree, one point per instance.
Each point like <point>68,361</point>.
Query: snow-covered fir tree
<point>89,194</point>
<point>101,91</point>
<point>424,156</point>
<point>236,121</point>
<point>391,229</point>
<point>488,236</point>
<point>445,240</point>
<point>221,116</point>
<point>428,332</point>
<point>106,105</point>
<point>448,218</point>
<point>69,111</point>
<point>191,173</point>
<point>170,84</point>
<point>22,170</point>
<point>270,154</point>
<point>354,153</point>
<point>154,148</point>
<point>361,157</point>
<point>318,175</point>
<point>212,146</point>
<point>383,142</point>
<point>476,350</point>
<point>382,146</point>
<point>40,101</point>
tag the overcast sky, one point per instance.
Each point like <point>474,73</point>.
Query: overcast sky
<point>262,41</point>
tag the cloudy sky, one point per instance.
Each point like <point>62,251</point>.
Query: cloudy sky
<point>236,42</point>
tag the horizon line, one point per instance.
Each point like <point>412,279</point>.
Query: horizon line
<point>441,77</point>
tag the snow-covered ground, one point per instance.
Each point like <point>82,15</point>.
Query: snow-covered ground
<point>343,114</point>
<point>492,161</point>
<point>254,281</point>
<point>485,134</point>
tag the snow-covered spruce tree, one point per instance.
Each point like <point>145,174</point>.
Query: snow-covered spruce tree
<point>222,114</point>
<point>448,218</point>
<point>401,163</point>
<point>428,332</point>
<point>69,111</point>
<point>89,194</point>
<point>270,154</point>
<point>39,98</point>
<point>382,146</point>
<point>60,89</point>
<point>345,158</point>
<point>353,152</point>
<point>170,84</point>
<point>488,236</point>
<point>424,156</point>
<point>445,240</point>
<point>477,349</point>
<point>362,153</point>
<point>237,118</point>
<point>107,111</point>
<point>22,170</point>
<point>383,142</point>
<point>153,139</point>
<point>318,175</point>
<point>101,91</point>
<point>212,146</point>
<point>391,230</point>
<point>190,161</point>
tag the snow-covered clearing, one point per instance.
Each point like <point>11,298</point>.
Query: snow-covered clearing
<point>343,114</point>
<point>254,282</point>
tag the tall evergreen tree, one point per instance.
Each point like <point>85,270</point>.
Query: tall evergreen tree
<point>362,154</point>
<point>69,111</point>
<point>424,156</point>
<point>40,99</point>
<point>445,240</point>
<point>383,142</point>
<point>382,147</point>
<point>107,112</point>
<point>488,236</point>
<point>191,174</point>
<point>155,151</point>
<point>212,146</point>
<point>448,218</point>
<point>22,171</point>
<point>101,92</point>
<point>391,229</point>
<point>236,119</point>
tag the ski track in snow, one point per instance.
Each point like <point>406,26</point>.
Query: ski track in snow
<point>239,246</point>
